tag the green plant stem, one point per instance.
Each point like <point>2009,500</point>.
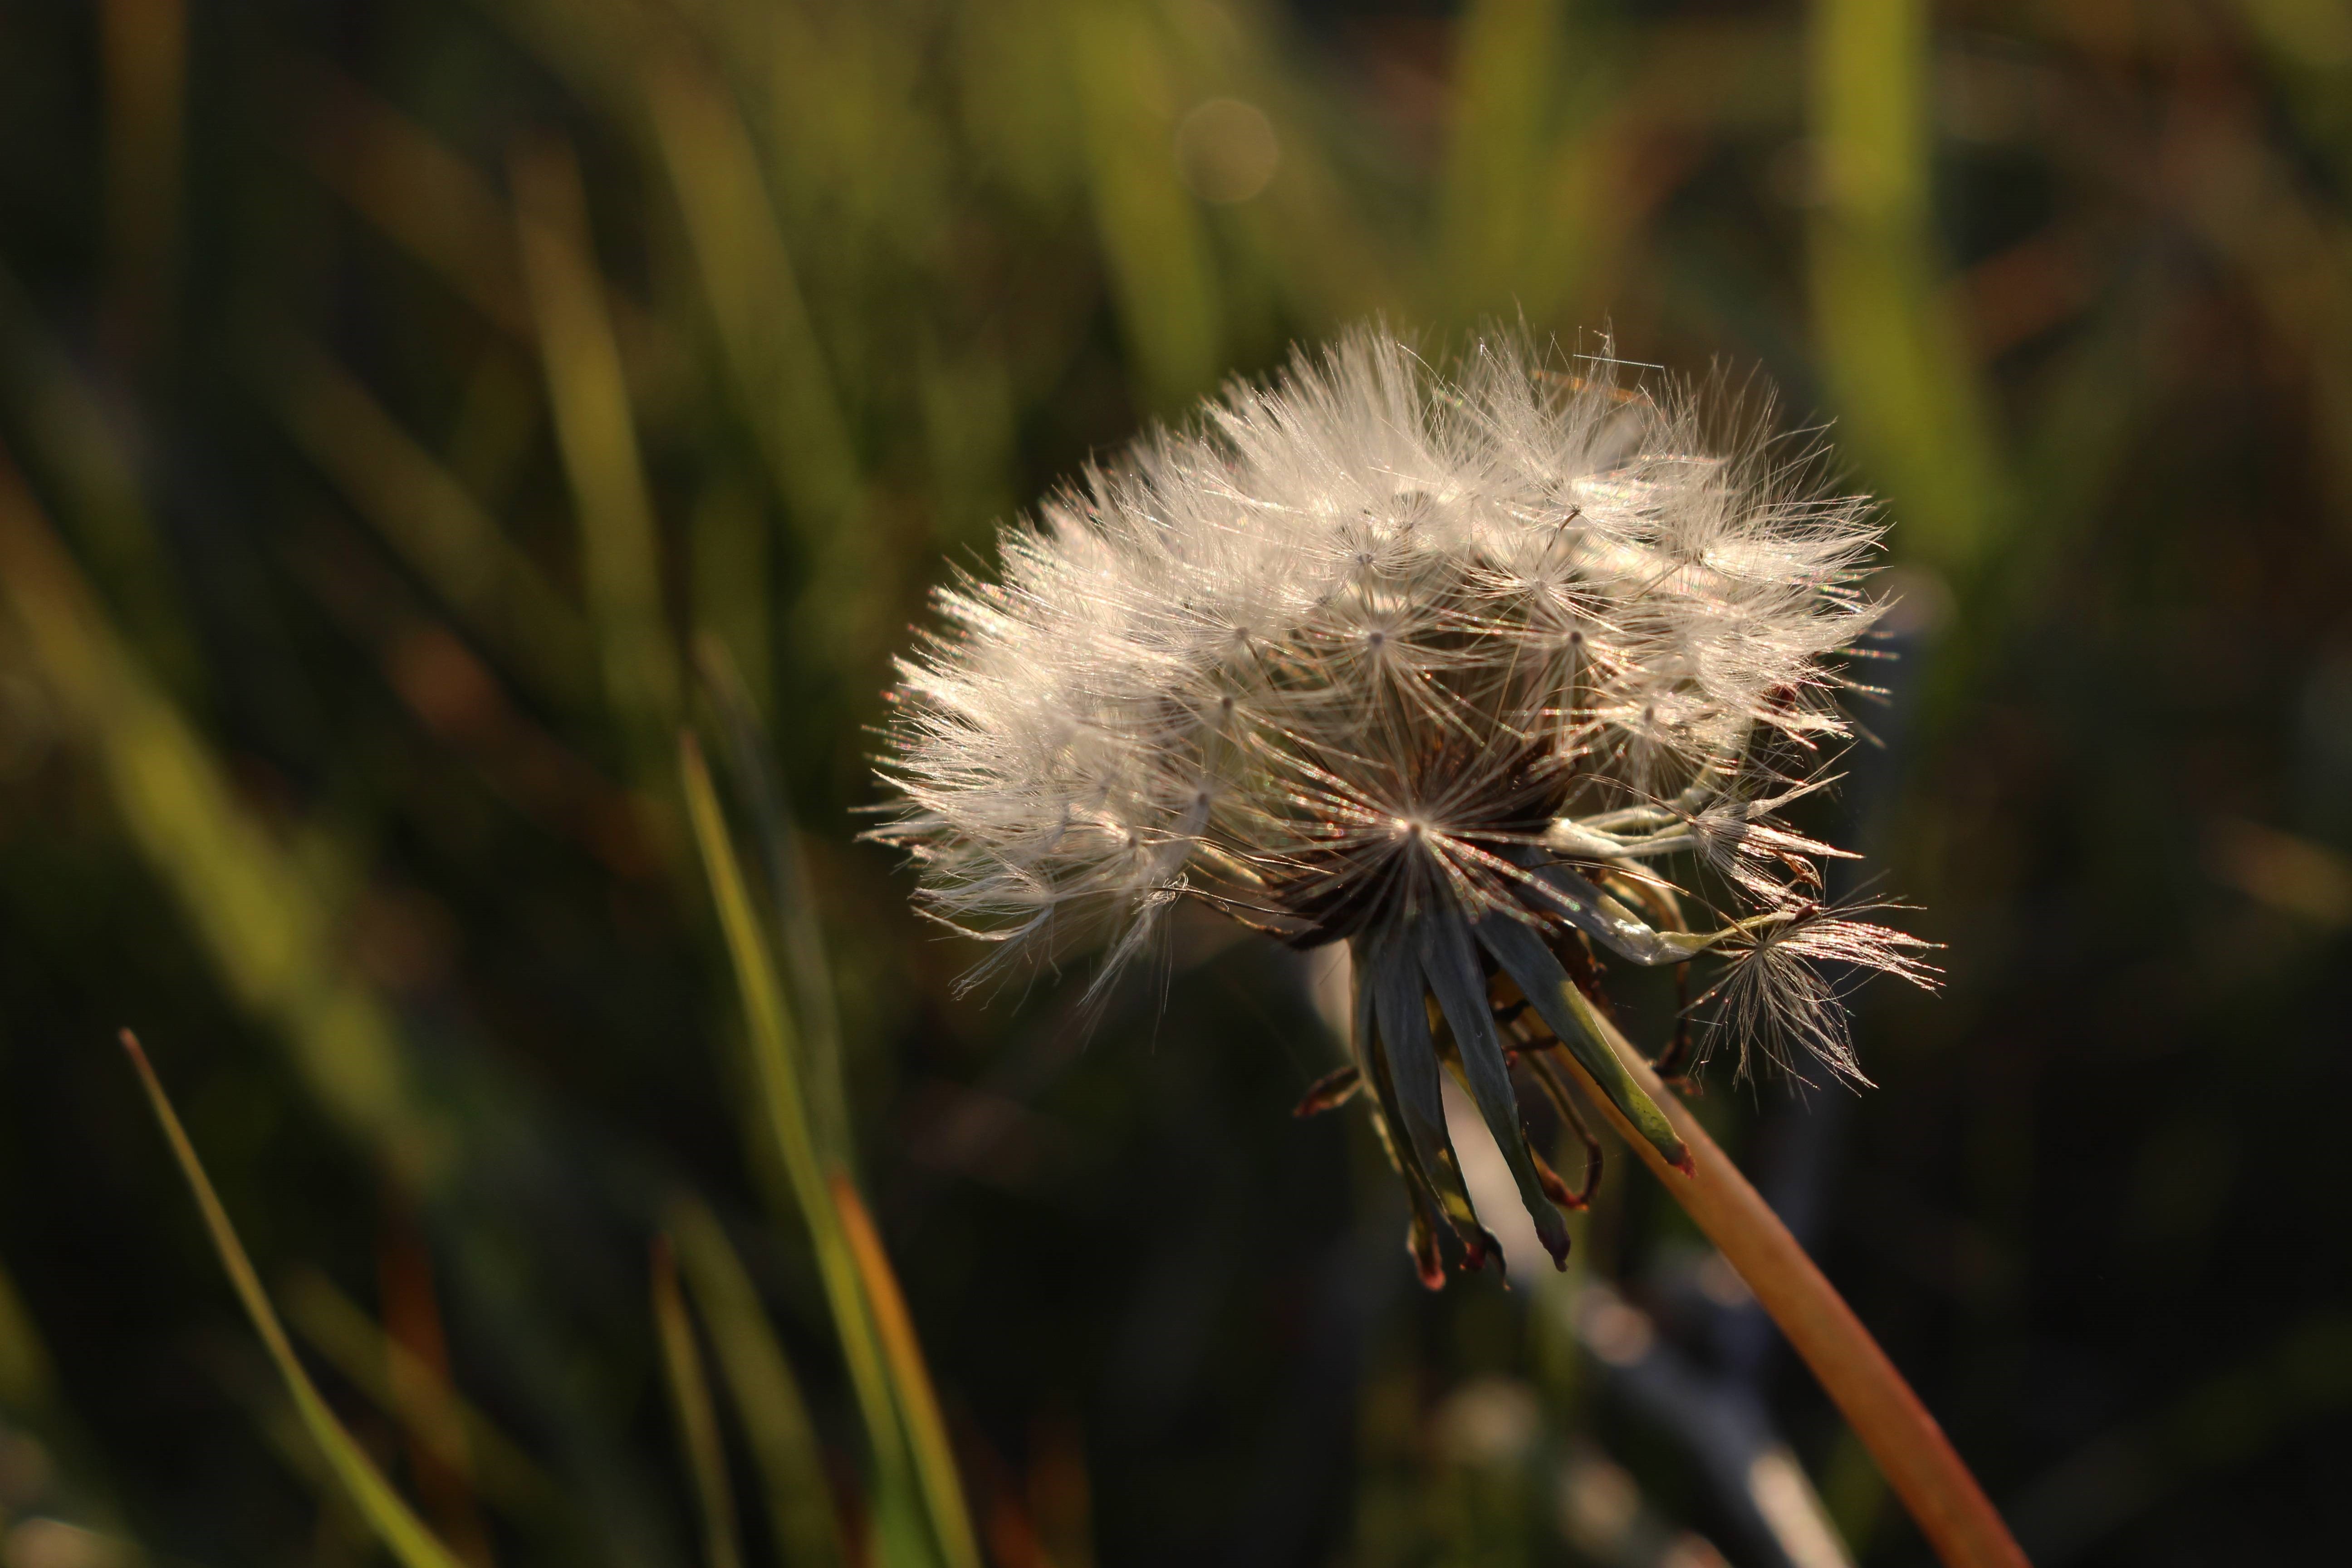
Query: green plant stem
<point>1910,1449</point>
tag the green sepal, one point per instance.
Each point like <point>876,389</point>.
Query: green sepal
<point>1572,897</point>
<point>1570,1014</point>
<point>1450,960</point>
<point>1388,1126</point>
<point>1407,1071</point>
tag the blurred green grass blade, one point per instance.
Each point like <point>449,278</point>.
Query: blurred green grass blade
<point>419,193</point>
<point>2308,44</point>
<point>428,517</point>
<point>143,55</point>
<point>1909,397</point>
<point>1014,97</point>
<point>843,94</point>
<point>79,446</point>
<point>1497,234</point>
<point>754,294</point>
<point>27,1383</point>
<point>801,938</point>
<point>698,1416</point>
<point>927,1430</point>
<point>766,1395</point>
<point>390,1517</point>
<point>270,931</point>
<point>35,1419</point>
<point>2293,255</point>
<point>1163,277</point>
<point>596,436</point>
<point>774,1040</point>
<point>1309,235</point>
<point>777,1074</point>
<point>597,48</point>
<point>730,550</point>
<point>392,1375</point>
<point>970,411</point>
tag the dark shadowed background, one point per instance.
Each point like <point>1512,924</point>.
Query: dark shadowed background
<point>392,394</point>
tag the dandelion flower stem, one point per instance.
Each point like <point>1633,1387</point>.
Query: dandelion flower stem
<point>1910,1449</point>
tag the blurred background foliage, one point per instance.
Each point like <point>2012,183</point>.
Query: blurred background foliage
<point>394,396</point>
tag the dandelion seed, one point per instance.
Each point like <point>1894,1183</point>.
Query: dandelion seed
<point>1433,662</point>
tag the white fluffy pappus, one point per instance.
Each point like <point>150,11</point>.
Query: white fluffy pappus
<point>1382,644</point>
<point>1386,633</point>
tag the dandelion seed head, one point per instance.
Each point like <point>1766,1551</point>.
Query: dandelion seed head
<point>1380,634</point>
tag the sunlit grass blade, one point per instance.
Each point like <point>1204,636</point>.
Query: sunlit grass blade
<point>800,940</point>
<point>766,1395</point>
<point>596,434</point>
<point>697,1417</point>
<point>394,1522</point>
<point>773,1048</point>
<point>927,1431</point>
<point>392,1375</point>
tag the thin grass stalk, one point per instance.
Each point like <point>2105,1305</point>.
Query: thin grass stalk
<point>697,1412</point>
<point>926,1433</point>
<point>773,1044</point>
<point>393,1521</point>
<point>766,1396</point>
<point>891,1407</point>
<point>596,432</point>
<point>415,1393</point>
<point>799,943</point>
<point>1905,1441</point>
